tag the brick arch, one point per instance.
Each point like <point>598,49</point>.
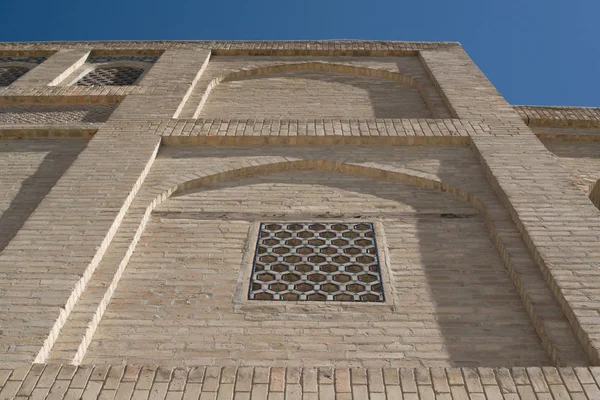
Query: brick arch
<point>188,183</point>
<point>315,66</point>
<point>374,171</point>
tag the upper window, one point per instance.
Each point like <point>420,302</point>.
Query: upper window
<point>116,76</point>
<point>10,74</point>
<point>12,68</point>
<point>117,70</point>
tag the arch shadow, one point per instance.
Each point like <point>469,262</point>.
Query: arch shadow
<point>36,186</point>
<point>317,66</point>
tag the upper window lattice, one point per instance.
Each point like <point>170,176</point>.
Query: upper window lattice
<point>115,76</point>
<point>10,73</point>
<point>105,59</point>
<point>121,75</point>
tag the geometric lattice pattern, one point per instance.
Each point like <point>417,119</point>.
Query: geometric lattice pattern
<point>111,76</point>
<point>316,261</point>
<point>30,60</point>
<point>105,59</point>
<point>10,74</point>
<point>48,114</point>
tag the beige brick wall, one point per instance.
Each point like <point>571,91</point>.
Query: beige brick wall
<point>162,382</point>
<point>455,304</point>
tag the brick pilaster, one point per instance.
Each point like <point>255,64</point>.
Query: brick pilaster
<point>46,276</point>
<point>52,71</point>
<point>559,224</point>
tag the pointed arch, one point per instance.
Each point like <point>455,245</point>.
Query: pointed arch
<point>377,171</point>
<point>315,66</point>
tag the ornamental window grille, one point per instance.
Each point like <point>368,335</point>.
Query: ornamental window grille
<point>316,261</point>
<point>9,74</point>
<point>111,76</point>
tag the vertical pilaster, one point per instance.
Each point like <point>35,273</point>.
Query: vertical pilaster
<point>560,226</point>
<point>49,262</point>
<point>52,71</point>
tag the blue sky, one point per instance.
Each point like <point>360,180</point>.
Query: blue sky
<point>539,52</point>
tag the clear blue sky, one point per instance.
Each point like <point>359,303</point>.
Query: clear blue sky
<point>539,52</point>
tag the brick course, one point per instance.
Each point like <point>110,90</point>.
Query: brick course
<point>135,382</point>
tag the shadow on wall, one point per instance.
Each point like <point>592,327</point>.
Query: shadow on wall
<point>59,156</point>
<point>307,94</point>
<point>595,194</point>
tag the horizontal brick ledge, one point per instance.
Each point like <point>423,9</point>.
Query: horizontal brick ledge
<point>164,382</point>
<point>46,132</point>
<point>576,117</point>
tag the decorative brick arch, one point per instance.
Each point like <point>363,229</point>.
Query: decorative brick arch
<point>121,72</point>
<point>373,170</point>
<point>189,182</point>
<point>315,66</point>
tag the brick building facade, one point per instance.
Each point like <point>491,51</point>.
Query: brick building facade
<point>291,220</point>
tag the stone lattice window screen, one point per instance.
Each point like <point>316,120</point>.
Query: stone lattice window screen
<point>12,68</point>
<point>114,70</point>
<point>9,74</point>
<point>111,76</point>
<point>316,261</point>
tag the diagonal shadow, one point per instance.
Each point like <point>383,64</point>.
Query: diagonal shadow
<point>60,155</point>
<point>387,98</point>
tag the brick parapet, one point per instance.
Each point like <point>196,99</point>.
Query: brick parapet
<point>326,47</point>
<point>465,89</point>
